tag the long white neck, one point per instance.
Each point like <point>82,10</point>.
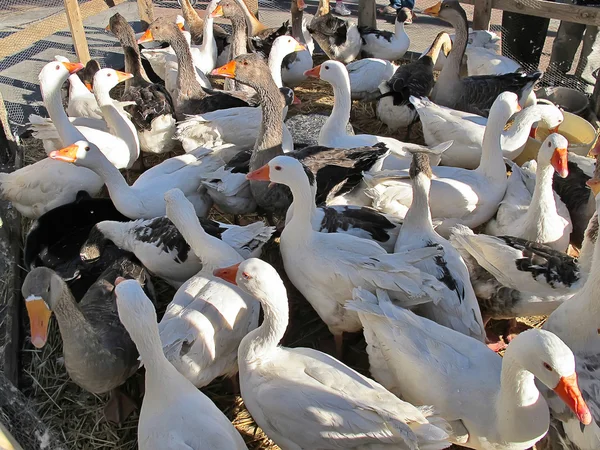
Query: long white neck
<point>118,123</point>
<point>66,130</point>
<point>399,28</point>
<point>542,211</point>
<point>492,160</point>
<point>275,61</point>
<point>122,195</point>
<point>208,48</point>
<point>340,116</point>
<point>77,88</point>
<point>418,216</point>
<point>262,341</point>
<point>213,252</point>
<point>299,226</point>
<point>521,411</point>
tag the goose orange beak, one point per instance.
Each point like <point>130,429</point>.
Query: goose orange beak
<point>217,12</point>
<point>181,26</point>
<point>227,273</point>
<point>107,29</point>
<point>554,129</point>
<point>315,72</point>
<point>533,132</point>
<point>89,86</point>
<point>560,162</point>
<point>568,390</point>
<point>299,47</point>
<point>301,4</point>
<point>594,184</point>
<point>73,67</point>
<point>67,154</point>
<point>227,71</point>
<point>296,101</point>
<point>122,76</point>
<point>519,107</point>
<point>119,280</point>
<point>261,174</point>
<point>146,37</point>
<point>434,10</point>
<point>39,318</point>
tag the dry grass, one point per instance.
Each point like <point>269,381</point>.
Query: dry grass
<point>78,415</point>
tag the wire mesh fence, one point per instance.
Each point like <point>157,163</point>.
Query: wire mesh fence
<point>34,31</point>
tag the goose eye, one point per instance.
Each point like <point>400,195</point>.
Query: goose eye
<point>277,167</point>
<point>57,67</point>
<point>326,67</point>
<point>549,145</point>
<point>109,74</point>
<point>87,149</point>
<point>547,367</point>
<point>246,276</point>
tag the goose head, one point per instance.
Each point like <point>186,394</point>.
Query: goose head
<point>106,79</point>
<point>81,153</point>
<point>298,5</point>
<point>55,73</point>
<point>42,291</point>
<point>404,15</point>
<point>162,30</point>
<point>331,71</point>
<point>553,151</point>
<point>449,11</point>
<point>249,69</point>
<point>227,9</point>
<point>283,170</point>
<point>284,45</point>
<point>548,358</point>
<point>136,312</point>
<point>256,277</point>
<point>420,166</point>
<point>119,26</point>
<point>504,107</point>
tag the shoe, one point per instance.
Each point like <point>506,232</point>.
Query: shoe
<point>388,10</point>
<point>341,9</point>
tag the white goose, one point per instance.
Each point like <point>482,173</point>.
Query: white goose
<point>366,75</point>
<point>144,199</point>
<point>238,126</point>
<point>294,65</point>
<point>466,130</point>
<point>82,102</point>
<point>169,416</point>
<point>334,134</point>
<point>119,143</point>
<point>426,363</point>
<point>47,184</point>
<point>576,322</point>
<point>326,267</point>
<point>470,197</point>
<point>484,61</point>
<point>384,44</point>
<point>204,324</point>
<point>305,399</point>
<point>458,309</point>
<point>536,217</point>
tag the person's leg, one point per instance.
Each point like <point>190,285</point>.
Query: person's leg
<point>590,56</point>
<point>565,46</point>
<point>341,9</point>
<point>523,38</point>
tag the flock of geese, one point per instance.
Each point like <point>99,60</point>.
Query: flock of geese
<point>378,237</point>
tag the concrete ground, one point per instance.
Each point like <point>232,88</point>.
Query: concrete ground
<point>18,72</point>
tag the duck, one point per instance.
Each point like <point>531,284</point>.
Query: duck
<point>459,309</point>
<point>295,64</point>
<point>513,277</point>
<point>325,267</point>
<point>470,197</point>
<point>169,414</point>
<point>88,327</point>
<point>337,170</point>
<point>280,386</point>
<point>239,126</point>
<point>144,199</point>
<point>472,94</point>
<point>339,38</point>
<point>159,245</point>
<point>190,97</point>
<point>416,79</point>
<point>207,318</point>
<point>82,102</point>
<point>366,75</point>
<point>536,216</point>
<point>467,130</point>
<point>384,44</point>
<point>117,137</point>
<point>38,188</point>
<point>575,321</point>
<point>334,134</point>
<point>453,372</point>
<point>54,240</point>
<point>153,113</point>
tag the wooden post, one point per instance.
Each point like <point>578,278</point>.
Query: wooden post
<point>482,15</point>
<point>366,13</point>
<point>77,30</point>
<point>146,11</point>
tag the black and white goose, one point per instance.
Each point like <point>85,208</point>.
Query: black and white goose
<point>339,38</point>
<point>162,249</point>
<point>385,44</point>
